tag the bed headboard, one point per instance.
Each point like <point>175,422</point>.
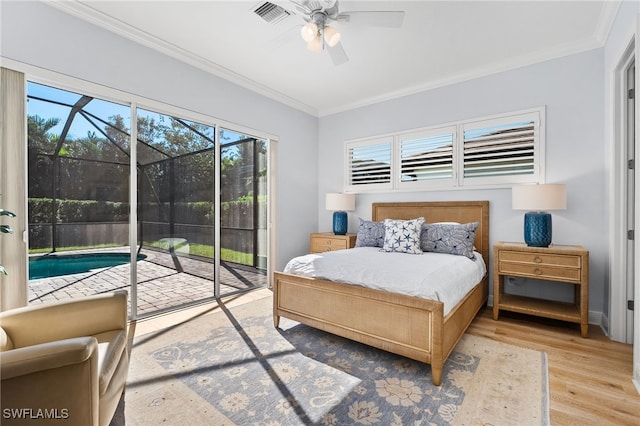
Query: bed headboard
<point>441,211</point>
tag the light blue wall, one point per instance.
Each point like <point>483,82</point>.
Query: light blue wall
<point>310,150</point>
<point>39,35</point>
<point>571,88</point>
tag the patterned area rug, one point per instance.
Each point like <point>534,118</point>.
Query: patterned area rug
<point>234,367</point>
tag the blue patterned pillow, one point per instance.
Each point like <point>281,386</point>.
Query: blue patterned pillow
<point>449,238</point>
<point>402,236</point>
<point>370,234</point>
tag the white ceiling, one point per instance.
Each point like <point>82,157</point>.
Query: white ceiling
<point>439,43</point>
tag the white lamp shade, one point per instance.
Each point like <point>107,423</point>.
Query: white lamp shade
<point>539,197</point>
<point>331,36</point>
<point>309,31</point>
<point>340,202</point>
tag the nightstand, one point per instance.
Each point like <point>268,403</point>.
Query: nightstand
<point>328,241</point>
<point>557,263</point>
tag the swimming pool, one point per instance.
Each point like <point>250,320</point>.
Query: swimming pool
<point>54,265</point>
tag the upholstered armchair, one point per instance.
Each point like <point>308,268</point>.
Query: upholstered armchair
<point>64,360</point>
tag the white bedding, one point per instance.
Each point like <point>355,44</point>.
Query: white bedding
<point>435,276</point>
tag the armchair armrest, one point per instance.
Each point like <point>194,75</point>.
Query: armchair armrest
<point>88,316</point>
<point>61,377</point>
<point>48,356</point>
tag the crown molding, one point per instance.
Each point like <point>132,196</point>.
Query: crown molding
<point>511,64</point>
<point>87,13</point>
<point>99,19</point>
<point>607,18</point>
<point>605,23</point>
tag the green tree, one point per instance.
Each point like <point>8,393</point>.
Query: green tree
<point>40,138</point>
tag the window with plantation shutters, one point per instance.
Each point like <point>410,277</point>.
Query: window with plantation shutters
<point>486,152</point>
<point>369,164</point>
<point>501,149</point>
<point>427,156</point>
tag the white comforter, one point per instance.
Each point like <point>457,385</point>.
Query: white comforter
<point>433,276</point>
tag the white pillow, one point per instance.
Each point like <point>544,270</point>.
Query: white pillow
<point>402,236</point>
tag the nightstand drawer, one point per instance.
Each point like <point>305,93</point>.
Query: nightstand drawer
<point>327,241</point>
<point>540,259</point>
<point>541,271</point>
<point>319,244</point>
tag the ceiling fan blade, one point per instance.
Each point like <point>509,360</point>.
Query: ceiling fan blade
<point>388,19</point>
<point>302,6</point>
<point>338,55</point>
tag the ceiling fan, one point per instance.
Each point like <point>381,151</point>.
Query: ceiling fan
<point>318,34</point>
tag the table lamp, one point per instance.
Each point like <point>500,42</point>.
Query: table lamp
<point>537,199</point>
<point>340,204</point>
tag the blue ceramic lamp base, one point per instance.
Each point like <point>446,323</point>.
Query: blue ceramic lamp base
<point>340,223</point>
<point>537,229</point>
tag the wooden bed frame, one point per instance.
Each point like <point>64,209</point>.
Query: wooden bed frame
<point>404,325</point>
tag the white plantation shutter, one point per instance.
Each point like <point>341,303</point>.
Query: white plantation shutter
<point>427,156</point>
<point>494,151</point>
<point>501,150</point>
<point>369,164</point>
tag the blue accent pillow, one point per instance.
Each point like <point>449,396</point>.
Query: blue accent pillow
<point>402,236</point>
<point>370,234</point>
<point>449,238</point>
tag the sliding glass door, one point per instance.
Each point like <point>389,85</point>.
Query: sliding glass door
<point>176,192</point>
<point>78,194</point>
<point>243,209</point>
<point>199,226</point>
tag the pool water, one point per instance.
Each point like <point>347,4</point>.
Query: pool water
<point>54,265</point>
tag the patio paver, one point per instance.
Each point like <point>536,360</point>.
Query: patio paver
<point>160,286</point>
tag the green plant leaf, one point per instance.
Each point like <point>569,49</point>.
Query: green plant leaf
<point>5,229</point>
<point>6,213</point>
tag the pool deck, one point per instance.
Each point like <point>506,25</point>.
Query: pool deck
<point>165,282</point>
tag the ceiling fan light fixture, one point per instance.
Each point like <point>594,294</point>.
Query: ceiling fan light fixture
<point>309,31</point>
<point>315,45</point>
<point>331,36</point>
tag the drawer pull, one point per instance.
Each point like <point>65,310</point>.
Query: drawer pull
<point>537,271</point>
<point>537,259</point>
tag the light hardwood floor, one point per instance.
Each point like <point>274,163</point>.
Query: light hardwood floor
<point>172,318</point>
<point>589,378</point>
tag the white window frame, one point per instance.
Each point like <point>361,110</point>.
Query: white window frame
<point>420,134</point>
<point>370,142</point>
<point>536,116</point>
<point>458,181</point>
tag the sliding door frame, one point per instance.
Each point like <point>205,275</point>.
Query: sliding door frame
<point>217,215</point>
<point>73,84</point>
<point>133,213</point>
